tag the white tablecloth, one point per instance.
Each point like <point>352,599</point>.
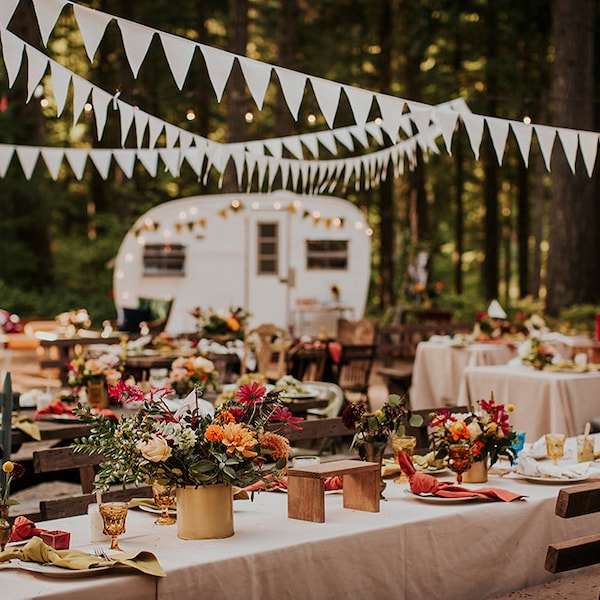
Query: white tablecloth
<point>439,366</point>
<point>545,401</point>
<point>409,550</point>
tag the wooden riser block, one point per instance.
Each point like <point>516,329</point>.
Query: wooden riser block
<point>306,488</point>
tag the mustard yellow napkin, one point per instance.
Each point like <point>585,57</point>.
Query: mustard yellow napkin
<point>27,426</point>
<point>37,551</point>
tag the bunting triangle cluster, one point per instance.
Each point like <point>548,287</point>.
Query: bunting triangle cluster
<point>179,53</point>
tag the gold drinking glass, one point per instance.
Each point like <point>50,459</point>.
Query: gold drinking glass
<point>555,446</point>
<point>403,443</point>
<point>459,459</point>
<point>114,515</point>
<point>164,498</point>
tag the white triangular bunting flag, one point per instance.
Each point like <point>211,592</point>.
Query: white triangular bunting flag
<point>47,13</point>
<point>53,158</point>
<point>7,9</point>
<point>327,94</point>
<point>219,65</point>
<point>284,167</point>
<point>361,135</point>
<point>446,119</point>
<point>37,63</point>
<point>255,147</point>
<point>498,129</point>
<point>421,118</point>
<point>306,175</point>
<point>343,137</point>
<point>172,134</point>
<point>522,133</point>
<point>61,78</point>
<point>406,125</point>
<point>327,139</point>
<point>273,168</point>
<point>375,132</point>
<point>6,154</point>
<point>195,157</point>
<point>28,156</point>
<point>250,166</point>
<point>474,126</point>
<point>155,128</point>
<point>77,158</point>
<point>261,163</point>
<point>126,118</point>
<point>292,87</point>
<point>391,109</point>
<point>100,102</point>
<point>361,102</point>
<point>292,143</point>
<point>179,53</point>
<point>92,25</point>
<point>126,160</point>
<point>311,143</point>
<point>257,76</point>
<point>588,142</point>
<point>294,173</point>
<point>12,53</point>
<point>239,161</point>
<point>545,136</point>
<point>101,159</point>
<point>185,139</point>
<point>170,156</point>
<point>569,140</point>
<point>136,41</point>
<point>81,93</point>
<point>140,119</point>
<point>149,160</point>
<point>275,147</point>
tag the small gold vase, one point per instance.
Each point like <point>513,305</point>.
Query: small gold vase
<point>205,512</point>
<point>478,473</point>
<point>5,526</point>
<point>97,393</point>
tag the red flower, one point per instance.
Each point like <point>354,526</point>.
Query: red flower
<point>250,393</point>
<point>282,414</point>
<point>126,393</point>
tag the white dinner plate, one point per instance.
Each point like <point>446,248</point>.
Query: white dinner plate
<point>152,509</point>
<point>441,499</point>
<point>55,571</point>
<point>303,394</point>
<point>554,480</point>
<point>431,470</point>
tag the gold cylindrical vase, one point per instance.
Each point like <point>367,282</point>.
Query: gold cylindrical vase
<point>205,512</point>
<point>478,473</point>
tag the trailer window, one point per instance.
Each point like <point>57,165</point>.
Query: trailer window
<point>164,259</point>
<point>327,254</point>
<point>268,249</point>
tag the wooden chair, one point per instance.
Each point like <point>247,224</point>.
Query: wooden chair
<point>268,344</point>
<point>53,460</point>
<point>307,362</point>
<point>575,501</point>
<point>359,332</point>
<point>353,370</point>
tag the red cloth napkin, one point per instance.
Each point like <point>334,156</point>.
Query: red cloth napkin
<point>422,483</point>
<point>335,351</point>
<point>23,529</point>
<point>58,407</point>
<point>331,483</point>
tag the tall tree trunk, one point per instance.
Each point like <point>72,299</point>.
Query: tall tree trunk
<point>386,189</point>
<point>572,256</point>
<point>238,103</point>
<point>523,224</point>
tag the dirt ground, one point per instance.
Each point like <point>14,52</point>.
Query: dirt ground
<point>583,584</point>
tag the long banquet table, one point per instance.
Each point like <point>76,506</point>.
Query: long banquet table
<point>411,549</point>
<point>439,366</point>
<point>545,401</point>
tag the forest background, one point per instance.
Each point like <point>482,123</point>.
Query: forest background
<point>519,233</point>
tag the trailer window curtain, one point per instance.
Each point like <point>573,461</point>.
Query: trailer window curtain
<point>327,254</point>
<point>268,248</point>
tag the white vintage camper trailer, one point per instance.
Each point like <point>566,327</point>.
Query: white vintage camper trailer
<point>277,255</point>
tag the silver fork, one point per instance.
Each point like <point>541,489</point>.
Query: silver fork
<point>101,554</point>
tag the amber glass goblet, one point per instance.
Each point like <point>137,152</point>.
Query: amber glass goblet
<point>555,446</point>
<point>164,498</point>
<point>114,515</point>
<point>459,459</point>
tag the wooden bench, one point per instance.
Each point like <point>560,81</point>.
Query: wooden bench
<point>579,552</point>
<point>53,460</point>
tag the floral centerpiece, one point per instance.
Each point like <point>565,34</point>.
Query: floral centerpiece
<point>535,353</point>
<point>192,447</point>
<point>188,372</point>
<point>376,428</point>
<point>104,367</point>
<point>486,432</point>
<point>486,327</point>
<point>74,318</point>
<point>228,324</point>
